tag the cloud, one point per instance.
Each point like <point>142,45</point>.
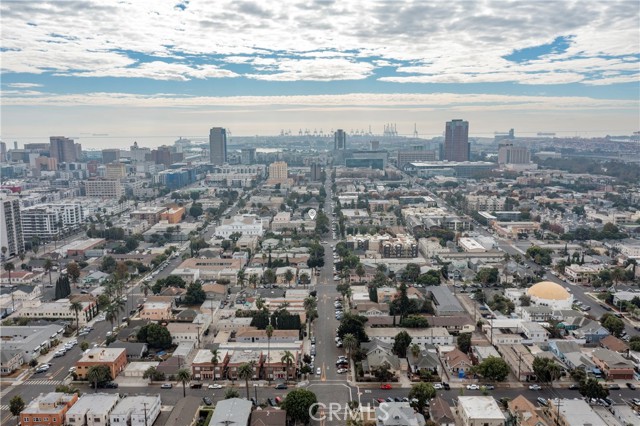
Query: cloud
<point>457,41</point>
<point>319,69</point>
<point>159,70</point>
<point>23,85</point>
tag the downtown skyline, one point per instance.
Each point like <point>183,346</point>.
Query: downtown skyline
<point>154,72</point>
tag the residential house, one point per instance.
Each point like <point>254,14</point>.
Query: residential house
<point>572,412</point>
<point>424,361</point>
<point>48,409</point>
<point>260,336</point>
<point>444,301</point>
<point>92,409</point>
<point>522,412</point>
<point>156,311</point>
<point>138,410</point>
<point>233,411</point>
<point>185,332</point>
<point>457,362</point>
<point>614,344</point>
<point>592,333</point>
<point>185,412</point>
<point>441,413</point>
<point>480,411</point>
<point>420,336</point>
<point>536,313</point>
<point>135,351</point>
<point>398,414</point>
<point>372,309</point>
<point>269,417</point>
<point>614,365</point>
<point>186,315</point>
<point>215,291</point>
<point>10,361</point>
<point>379,354</point>
<point>454,324</point>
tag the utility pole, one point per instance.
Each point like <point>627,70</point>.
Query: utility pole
<point>145,413</point>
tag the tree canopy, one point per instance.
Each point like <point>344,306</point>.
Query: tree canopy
<point>493,368</point>
<point>155,335</point>
<point>299,404</point>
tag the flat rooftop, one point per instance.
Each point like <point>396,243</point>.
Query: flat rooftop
<point>480,407</point>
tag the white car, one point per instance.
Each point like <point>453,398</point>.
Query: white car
<point>438,386</point>
<point>473,387</point>
<point>318,371</point>
<point>341,370</point>
<point>535,387</point>
<point>215,386</point>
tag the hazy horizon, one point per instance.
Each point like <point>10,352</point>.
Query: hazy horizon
<point>157,71</point>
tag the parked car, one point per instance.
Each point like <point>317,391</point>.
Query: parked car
<point>271,402</point>
<point>110,385</point>
<point>215,386</point>
<point>473,387</point>
<point>385,386</point>
<point>489,387</point>
<point>535,387</point>
<point>631,386</point>
<point>438,386</point>
<point>574,387</point>
<point>542,401</point>
<point>166,386</point>
<point>614,387</point>
<point>318,371</point>
<point>207,401</point>
<point>281,386</point>
<point>279,400</point>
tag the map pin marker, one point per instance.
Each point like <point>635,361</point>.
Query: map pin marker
<point>312,214</point>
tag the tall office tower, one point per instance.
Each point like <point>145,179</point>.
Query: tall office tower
<point>339,140</point>
<point>315,174</point>
<point>509,154</point>
<point>11,226</point>
<point>248,156</point>
<point>218,146</point>
<point>110,156</point>
<point>3,152</point>
<point>456,141</point>
<point>375,145</point>
<point>62,149</point>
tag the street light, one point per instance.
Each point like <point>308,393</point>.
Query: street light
<point>255,389</point>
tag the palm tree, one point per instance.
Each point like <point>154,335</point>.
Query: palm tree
<point>183,375</point>
<point>349,343</point>
<point>145,287</point>
<point>415,350</point>
<point>269,331</point>
<point>96,374</point>
<point>4,251</point>
<point>9,266</point>
<point>253,280</point>
<point>288,276</point>
<point>111,313</point>
<point>360,271</point>
<point>259,301</point>
<point>76,307</point>
<point>310,305</point>
<point>241,278</point>
<point>215,359</point>
<point>288,360</point>
<point>48,266</point>
<point>305,279</point>
<point>245,371</point>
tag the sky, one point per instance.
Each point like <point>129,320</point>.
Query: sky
<point>109,72</point>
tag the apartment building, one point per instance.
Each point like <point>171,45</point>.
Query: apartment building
<point>48,410</point>
<point>11,234</point>
<point>104,188</point>
<point>42,222</point>
<point>92,409</point>
<point>139,410</point>
<point>114,358</point>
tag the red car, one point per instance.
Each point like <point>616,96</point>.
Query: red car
<point>385,386</point>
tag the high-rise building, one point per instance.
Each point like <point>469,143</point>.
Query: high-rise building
<point>315,172</point>
<point>63,149</point>
<point>278,171</point>
<point>218,145</point>
<point>3,152</point>
<point>110,155</point>
<point>509,154</point>
<point>115,171</point>
<point>456,141</point>
<point>339,140</point>
<point>11,226</point>
<point>248,156</point>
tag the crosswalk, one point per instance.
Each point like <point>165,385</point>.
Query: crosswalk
<point>4,407</point>
<point>43,382</point>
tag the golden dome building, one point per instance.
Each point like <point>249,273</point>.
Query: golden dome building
<point>548,293</point>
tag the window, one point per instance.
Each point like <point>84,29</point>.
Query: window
<point>26,419</point>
